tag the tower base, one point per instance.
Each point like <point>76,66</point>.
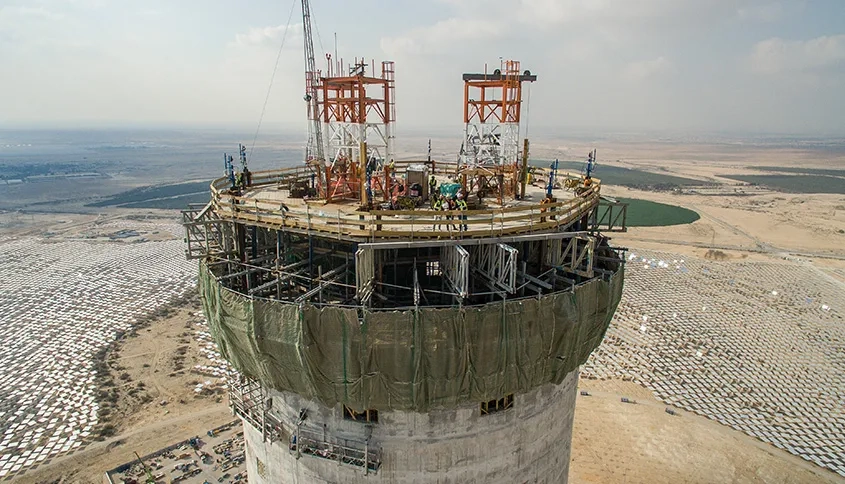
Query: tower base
<point>527,441</point>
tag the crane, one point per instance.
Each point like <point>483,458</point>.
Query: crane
<point>314,149</point>
<point>147,471</point>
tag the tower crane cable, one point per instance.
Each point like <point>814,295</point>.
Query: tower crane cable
<point>272,78</point>
<point>317,29</point>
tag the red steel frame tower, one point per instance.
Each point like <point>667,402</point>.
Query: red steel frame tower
<point>357,112</point>
<point>492,113</point>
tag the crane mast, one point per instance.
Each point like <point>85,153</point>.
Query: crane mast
<point>314,149</point>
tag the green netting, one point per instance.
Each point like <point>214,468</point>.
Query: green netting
<point>410,360</point>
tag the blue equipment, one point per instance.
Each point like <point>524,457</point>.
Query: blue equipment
<point>229,167</point>
<point>552,177</point>
<point>591,164</point>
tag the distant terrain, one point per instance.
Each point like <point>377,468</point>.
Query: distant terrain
<point>795,183</point>
<point>628,177</point>
<point>801,170</point>
<point>67,170</point>
<point>159,196</point>
<point>32,172</point>
<point>88,171</point>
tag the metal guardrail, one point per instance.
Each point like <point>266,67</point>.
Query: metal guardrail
<point>391,224</point>
<point>248,400</point>
<point>342,451</point>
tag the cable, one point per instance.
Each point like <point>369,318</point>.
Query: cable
<point>272,78</point>
<point>317,29</point>
<point>528,110</point>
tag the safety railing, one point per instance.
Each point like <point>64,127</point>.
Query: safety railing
<point>314,216</point>
<point>248,400</point>
<point>342,451</point>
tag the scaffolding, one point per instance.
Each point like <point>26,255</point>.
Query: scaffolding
<point>609,216</point>
<point>249,401</point>
<point>490,155</point>
<point>357,111</point>
<point>496,263</point>
<point>205,233</point>
<point>343,451</point>
<point>267,263</point>
<point>455,266</point>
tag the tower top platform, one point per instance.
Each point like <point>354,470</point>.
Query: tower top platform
<point>278,199</point>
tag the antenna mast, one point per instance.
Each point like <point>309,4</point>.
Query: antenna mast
<point>314,149</point>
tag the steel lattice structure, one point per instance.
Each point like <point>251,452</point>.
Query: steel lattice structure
<point>492,112</point>
<point>356,112</point>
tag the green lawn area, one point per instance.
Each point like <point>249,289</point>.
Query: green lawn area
<point>644,213</point>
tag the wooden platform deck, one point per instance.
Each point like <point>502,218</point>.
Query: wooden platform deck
<point>267,203</point>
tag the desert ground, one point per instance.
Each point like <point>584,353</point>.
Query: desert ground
<point>612,441</point>
<point>618,442</point>
<point>159,359</point>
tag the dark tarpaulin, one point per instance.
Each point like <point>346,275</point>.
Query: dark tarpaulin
<point>410,360</point>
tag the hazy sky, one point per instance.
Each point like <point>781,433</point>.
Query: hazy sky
<point>748,65</point>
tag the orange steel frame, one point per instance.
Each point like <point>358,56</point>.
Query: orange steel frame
<point>498,98</point>
<point>489,99</point>
<point>344,99</point>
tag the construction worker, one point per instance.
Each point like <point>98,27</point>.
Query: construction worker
<point>449,205</point>
<point>230,170</point>
<point>247,177</point>
<point>585,188</point>
<point>437,207</point>
<point>390,174</point>
<point>432,186</point>
<point>239,180</point>
<point>462,205</point>
<point>545,201</point>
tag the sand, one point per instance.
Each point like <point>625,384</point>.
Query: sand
<point>613,441</point>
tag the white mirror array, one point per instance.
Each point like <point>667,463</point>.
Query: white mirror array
<point>61,301</point>
<point>216,367</point>
<point>755,345</point>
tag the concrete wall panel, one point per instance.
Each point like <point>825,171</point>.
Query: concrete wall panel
<point>529,443</point>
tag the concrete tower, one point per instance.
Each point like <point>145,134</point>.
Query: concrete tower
<point>382,337</point>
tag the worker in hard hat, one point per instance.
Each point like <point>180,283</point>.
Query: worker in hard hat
<point>438,207</point>
<point>432,186</point>
<point>545,201</point>
<point>247,177</point>
<point>239,180</point>
<point>449,205</point>
<point>462,206</point>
